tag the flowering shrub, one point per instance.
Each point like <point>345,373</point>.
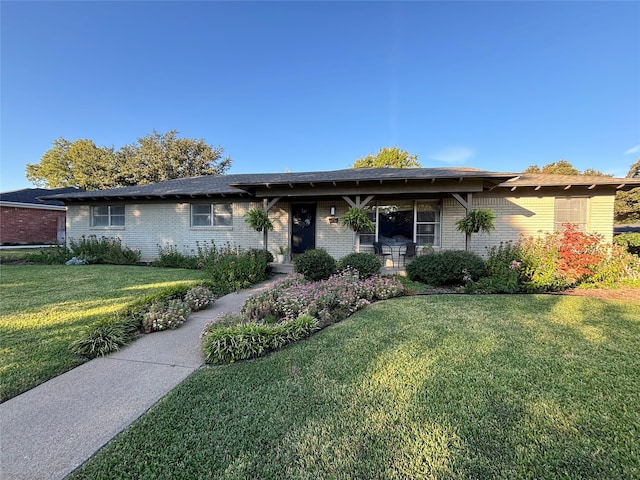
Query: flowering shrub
<point>163,315</point>
<point>555,261</point>
<point>198,298</point>
<point>616,265</point>
<point>559,260</point>
<point>329,300</point>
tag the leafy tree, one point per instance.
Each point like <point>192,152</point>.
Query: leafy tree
<point>153,158</point>
<point>561,167</point>
<point>388,157</point>
<point>73,164</point>
<point>634,171</point>
<point>627,206</point>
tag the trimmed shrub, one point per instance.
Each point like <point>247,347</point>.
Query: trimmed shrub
<point>366,264</point>
<point>315,265</point>
<point>104,337</point>
<point>630,241</point>
<point>240,342</point>
<point>450,267</point>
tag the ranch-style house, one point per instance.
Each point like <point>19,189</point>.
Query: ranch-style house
<point>417,206</point>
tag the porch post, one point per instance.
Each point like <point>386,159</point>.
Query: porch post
<point>466,204</point>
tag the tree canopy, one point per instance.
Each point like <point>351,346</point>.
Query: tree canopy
<point>627,207</point>
<point>561,167</point>
<point>153,158</point>
<point>388,157</point>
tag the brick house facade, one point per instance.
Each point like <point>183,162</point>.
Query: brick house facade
<point>26,219</point>
<point>406,205</point>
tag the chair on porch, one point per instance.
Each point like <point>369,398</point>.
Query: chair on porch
<point>408,250</point>
<point>383,251</point>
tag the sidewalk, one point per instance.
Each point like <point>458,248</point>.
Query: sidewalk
<point>47,432</point>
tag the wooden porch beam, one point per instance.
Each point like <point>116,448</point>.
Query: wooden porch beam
<point>268,204</point>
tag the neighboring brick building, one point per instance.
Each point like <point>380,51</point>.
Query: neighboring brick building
<point>25,219</point>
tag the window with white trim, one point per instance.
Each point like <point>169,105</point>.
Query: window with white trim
<point>107,215</point>
<point>399,221</point>
<point>211,214</point>
<point>427,223</point>
<point>571,210</point>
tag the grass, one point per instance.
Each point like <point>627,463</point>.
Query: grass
<point>446,387</point>
<point>44,308</point>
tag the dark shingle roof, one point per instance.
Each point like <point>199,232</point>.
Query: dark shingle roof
<point>32,195</point>
<point>245,184</point>
<point>238,184</point>
<point>548,180</point>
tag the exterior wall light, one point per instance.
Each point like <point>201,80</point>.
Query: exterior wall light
<point>332,210</point>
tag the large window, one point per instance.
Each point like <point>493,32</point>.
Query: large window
<point>402,221</point>
<point>211,215</point>
<point>428,224</point>
<point>570,210</point>
<point>107,216</point>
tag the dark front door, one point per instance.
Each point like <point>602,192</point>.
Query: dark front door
<point>303,231</point>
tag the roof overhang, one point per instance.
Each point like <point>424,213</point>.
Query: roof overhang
<point>399,184</point>
<point>538,182</point>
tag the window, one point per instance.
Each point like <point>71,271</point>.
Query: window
<point>402,221</point>
<point>107,216</point>
<point>211,215</point>
<point>428,224</point>
<point>570,210</point>
<point>367,238</point>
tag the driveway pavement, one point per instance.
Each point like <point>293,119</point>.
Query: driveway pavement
<point>50,430</point>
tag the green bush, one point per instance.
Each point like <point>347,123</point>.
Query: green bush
<point>103,250</point>
<point>366,264</point>
<point>617,266</point>
<point>630,241</point>
<point>104,337</point>
<point>50,256</point>
<point>228,344</point>
<point>233,271</point>
<point>450,267</point>
<point>170,257</point>
<point>315,265</point>
<point>503,266</point>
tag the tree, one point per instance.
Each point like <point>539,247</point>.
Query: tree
<point>73,164</point>
<point>153,158</point>
<point>561,167</point>
<point>627,205</point>
<point>388,157</point>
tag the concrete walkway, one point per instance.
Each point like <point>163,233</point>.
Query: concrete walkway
<point>47,432</point>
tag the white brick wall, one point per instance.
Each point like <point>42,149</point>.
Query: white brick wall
<point>151,225</point>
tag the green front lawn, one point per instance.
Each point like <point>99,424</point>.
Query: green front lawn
<point>44,308</point>
<point>465,387</point>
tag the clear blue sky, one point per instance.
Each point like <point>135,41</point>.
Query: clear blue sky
<point>314,85</point>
